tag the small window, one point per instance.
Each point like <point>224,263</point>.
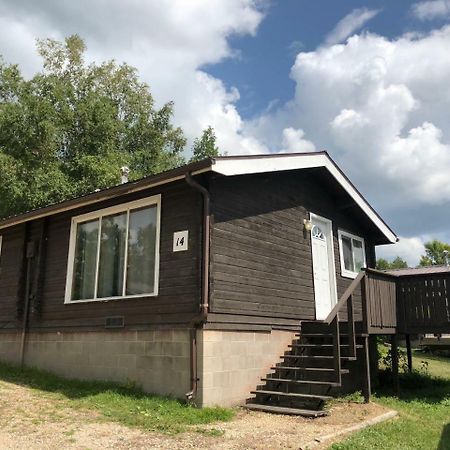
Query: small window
<point>353,254</point>
<point>114,252</point>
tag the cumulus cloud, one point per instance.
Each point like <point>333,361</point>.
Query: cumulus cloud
<point>380,113</point>
<point>349,24</point>
<point>410,249</point>
<point>430,10</point>
<point>168,41</point>
<point>293,141</point>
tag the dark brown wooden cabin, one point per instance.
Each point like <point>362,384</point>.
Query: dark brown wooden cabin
<point>235,244</point>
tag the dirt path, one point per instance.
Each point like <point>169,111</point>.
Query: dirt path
<point>32,420</point>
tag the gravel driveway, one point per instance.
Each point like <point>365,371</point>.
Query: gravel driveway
<point>31,419</point>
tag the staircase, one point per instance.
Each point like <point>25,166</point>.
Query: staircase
<point>318,364</point>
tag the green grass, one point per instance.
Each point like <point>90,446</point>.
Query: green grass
<point>424,411</point>
<point>125,404</point>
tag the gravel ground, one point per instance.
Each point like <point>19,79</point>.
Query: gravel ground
<point>31,420</point>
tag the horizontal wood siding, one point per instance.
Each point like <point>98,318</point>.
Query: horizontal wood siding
<point>179,278</point>
<point>10,272</point>
<point>261,263</point>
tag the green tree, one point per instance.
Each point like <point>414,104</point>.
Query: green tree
<point>434,253</point>
<point>205,146</point>
<point>397,263</point>
<point>67,131</point>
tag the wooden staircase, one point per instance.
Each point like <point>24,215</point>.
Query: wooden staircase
<point>318,364</point>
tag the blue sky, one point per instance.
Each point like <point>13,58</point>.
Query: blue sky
<point>367,81</point>
<point>259,71</point>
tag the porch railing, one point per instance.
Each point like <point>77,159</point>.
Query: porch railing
<point>424,303</point>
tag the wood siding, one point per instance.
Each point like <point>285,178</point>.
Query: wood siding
<point>11,260</point>
<point>179,276</point>
<point>261,263</point>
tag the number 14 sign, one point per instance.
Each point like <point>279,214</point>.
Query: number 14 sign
<point>180,240</point>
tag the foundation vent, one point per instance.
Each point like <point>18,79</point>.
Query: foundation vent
<point>114,322</point>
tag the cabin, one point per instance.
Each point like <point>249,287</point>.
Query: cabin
<point>233,280</point>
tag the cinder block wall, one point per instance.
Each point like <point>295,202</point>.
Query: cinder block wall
<point>231,363</point>
<point>157,361</point>
<point>10,347</point>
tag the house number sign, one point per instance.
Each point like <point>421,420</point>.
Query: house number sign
<point>180,240</point>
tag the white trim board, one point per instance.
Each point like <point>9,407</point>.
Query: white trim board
<point>230,166</point>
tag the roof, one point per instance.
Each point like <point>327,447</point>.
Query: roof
<point>226,166</point>
<point>418,270</point>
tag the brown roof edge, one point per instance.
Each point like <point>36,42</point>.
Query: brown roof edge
<point>105,194</point>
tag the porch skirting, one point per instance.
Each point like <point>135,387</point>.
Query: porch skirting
<point>229,363</point>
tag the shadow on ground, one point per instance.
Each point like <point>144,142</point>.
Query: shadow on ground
<point>72,389</point>
<point>444,442</point>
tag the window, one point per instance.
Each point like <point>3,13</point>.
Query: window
<point>353,254</point>
<point>114,252</point>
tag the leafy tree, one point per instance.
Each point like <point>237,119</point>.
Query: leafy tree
<point>205,147</point>
<point>67,131</point>
<point>434,253</point>
<point>397,263</point>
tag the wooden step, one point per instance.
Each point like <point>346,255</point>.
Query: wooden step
<point>285,410</point>
<point>327,335</point>
<point>293,394</point>
<point>288,380</point>
<point>329,357</point>
<point>321,345</point>
<point>312,369</point>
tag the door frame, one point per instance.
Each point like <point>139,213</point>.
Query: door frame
<point>331,260</point>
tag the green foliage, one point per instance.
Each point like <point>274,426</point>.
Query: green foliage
<point>434,253</point>
<point>205,147</point>
<point>123,403</point>
<point>69,129</point>
<point>397,263</point>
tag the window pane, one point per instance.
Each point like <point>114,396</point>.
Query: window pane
<point>358,255</point>
<point>112,255</point>
<point>85,260</point>
<point>141,251</point>
<point>347,252</point>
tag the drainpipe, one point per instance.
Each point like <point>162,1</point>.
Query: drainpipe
<point>204,302</point>
<point>29,257</point>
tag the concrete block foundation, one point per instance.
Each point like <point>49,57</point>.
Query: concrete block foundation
<point>229,363</point>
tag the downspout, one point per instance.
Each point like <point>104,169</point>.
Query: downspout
<point>204,301</point>
<point>29,256</point>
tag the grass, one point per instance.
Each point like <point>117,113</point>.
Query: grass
<point>125,404</point>
<point>424,411</point>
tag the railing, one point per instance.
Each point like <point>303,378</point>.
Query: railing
<point>378,311</point>
<point>379,302</point>
<point>424,303</point>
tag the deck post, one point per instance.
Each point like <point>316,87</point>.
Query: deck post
<point>367,384</point>
<point>394,356</point>
<point>408,351</point>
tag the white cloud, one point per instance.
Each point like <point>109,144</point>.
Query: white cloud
<point>293,142</point>
<point>349,24</point>
<point>430,10</point>
<point>410,249</point>
<point>381,113</point>
<point>168,41</point>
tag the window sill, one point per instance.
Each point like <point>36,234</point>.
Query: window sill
<point>348,274</point>
<point>109,299</point>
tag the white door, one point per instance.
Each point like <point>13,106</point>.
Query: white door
<point>323,266</point>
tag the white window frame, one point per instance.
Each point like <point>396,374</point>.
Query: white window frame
<point>123,207</point>
<point>345,272</point>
